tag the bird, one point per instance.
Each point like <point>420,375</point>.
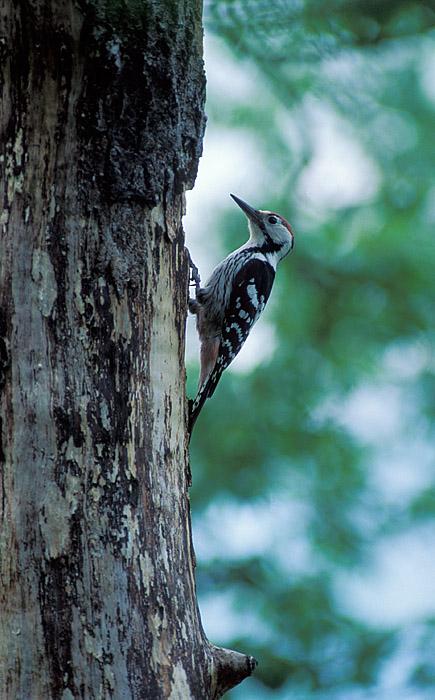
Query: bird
<point>234,297</point>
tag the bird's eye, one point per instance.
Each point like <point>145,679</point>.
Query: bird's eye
<point>272,220</point>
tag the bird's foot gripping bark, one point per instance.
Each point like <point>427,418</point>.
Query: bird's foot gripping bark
<point>193,306</point>
<point>194,273</point>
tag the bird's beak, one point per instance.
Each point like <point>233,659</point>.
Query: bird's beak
<point>250,212</point>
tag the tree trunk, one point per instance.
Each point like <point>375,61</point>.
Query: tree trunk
<point>102,122</point>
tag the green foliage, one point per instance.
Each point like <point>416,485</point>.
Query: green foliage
<point>359,289</point>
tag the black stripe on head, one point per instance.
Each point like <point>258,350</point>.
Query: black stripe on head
<point>269,245</point>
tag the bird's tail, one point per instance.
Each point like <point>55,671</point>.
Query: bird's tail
<point>204,393</point>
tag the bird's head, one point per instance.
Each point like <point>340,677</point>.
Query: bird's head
<point>268,230</point>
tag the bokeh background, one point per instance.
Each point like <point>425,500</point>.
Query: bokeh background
<point>313,465</point>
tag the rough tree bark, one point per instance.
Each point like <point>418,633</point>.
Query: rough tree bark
<point>102,122</point>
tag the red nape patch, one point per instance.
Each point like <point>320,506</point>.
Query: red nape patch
<point>284,221</point>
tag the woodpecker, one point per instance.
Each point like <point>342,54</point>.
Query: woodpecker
<point>234,296</point>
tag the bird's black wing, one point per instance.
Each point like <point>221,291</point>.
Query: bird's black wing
<point>251,290</point>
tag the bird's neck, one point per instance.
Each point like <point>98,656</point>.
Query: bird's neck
<point>270,251</point>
